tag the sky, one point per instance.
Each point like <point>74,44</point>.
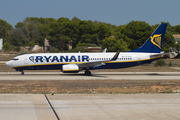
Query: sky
<point>115,12</point>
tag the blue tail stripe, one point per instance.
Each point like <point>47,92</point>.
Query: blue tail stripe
<point>154,42</point>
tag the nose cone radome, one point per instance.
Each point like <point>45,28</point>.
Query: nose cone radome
<point>8,63</point>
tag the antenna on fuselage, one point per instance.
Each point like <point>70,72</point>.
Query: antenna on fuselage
<point>104,51</point>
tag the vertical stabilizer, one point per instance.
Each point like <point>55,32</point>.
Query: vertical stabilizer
<point>154,42</point>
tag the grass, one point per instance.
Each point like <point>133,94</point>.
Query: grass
<point>89,86</point>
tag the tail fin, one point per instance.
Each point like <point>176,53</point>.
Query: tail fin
<point>154,42</point>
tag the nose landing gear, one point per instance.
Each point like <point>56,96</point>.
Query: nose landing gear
<point>22,72</point>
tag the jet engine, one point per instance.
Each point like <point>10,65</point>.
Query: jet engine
<point>70,68</point>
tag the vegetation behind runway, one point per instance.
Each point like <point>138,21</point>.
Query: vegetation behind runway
<point>89,86</point>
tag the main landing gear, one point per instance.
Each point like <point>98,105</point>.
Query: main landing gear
<point>22,72</point>
<point>87,72</point>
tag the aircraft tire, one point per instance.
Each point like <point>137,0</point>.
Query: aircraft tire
<point>87,72</point>
<point>22,73</point>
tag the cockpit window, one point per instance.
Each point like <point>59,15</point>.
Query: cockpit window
<point>15,59</point>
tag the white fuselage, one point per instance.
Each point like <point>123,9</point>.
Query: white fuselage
<point>44,61</point>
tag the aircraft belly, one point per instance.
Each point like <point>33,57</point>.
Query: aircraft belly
<point>41,67</point>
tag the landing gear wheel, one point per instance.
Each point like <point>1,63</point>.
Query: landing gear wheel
<point>87,72</point>
<point>22,73</point>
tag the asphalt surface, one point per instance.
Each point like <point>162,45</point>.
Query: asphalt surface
<point>94,76</point>
<point>90,107</point>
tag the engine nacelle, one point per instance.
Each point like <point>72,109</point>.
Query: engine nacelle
<point>71,68</point>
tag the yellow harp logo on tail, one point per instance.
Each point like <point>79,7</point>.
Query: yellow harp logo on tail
<point>156,40</point>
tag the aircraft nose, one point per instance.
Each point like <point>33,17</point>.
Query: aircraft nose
<point>8,63</point>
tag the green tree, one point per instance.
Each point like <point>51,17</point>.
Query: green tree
<point>137,32</point>
<point>7,37</point>
<point>4,27</point>
<point>31,29</point>
<point>77,31</point>
<point>59,41</point>
<point>169,41</point>
<point>177,29</point>
<point>103,31</point>
<point>31,43</point>
<point>54,50</point>
<point>177,45</point>
<point>80,48</point>
<point>160,62</point>
<point>19,25</point>
<point>87,32</point>
<point>76,19</point>
<point>40,40</point>
<point>17,40</point>
<point>112,44</point>
<point>7,46</point>
<point>17,48</point>
<point>59,33</point>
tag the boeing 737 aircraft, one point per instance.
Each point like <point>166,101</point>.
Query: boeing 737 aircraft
<point>75,62</point>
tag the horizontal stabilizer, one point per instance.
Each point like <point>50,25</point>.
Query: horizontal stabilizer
<point>159,54</point>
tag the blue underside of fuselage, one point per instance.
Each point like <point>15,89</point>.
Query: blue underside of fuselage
<point>112,65</point>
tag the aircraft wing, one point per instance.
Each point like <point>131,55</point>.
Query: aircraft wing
<point>91,64</point>
<point>98,63</point>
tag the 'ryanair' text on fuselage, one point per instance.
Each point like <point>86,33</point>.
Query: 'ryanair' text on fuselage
<point>83,58</point>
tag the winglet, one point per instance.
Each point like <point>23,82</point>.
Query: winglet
<point>116,55</point>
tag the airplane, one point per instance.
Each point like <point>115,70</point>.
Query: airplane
<point>75,62</point>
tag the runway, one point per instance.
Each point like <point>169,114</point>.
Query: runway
<point>87,106</point>
<point>90,107</point>
<point>94,76</point>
